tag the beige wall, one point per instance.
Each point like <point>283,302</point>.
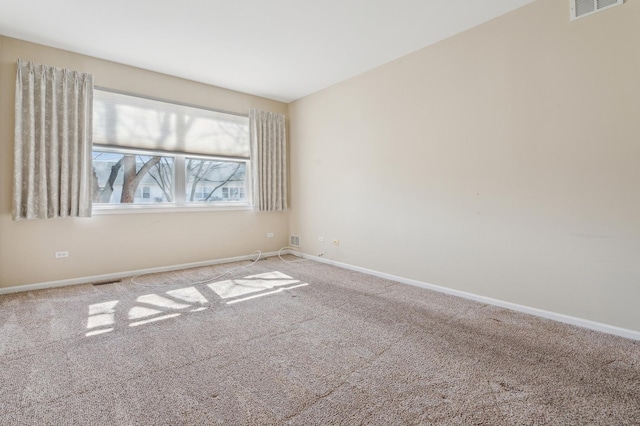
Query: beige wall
<point>116,243</point>
<point>504,161</point>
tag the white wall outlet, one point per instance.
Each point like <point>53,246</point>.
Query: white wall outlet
<point>61,254</point>
<point>336,242</point>
<point>270,234</point>
<point>321,239</point>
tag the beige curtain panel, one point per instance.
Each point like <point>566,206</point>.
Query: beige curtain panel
<point>53,129</point>
<point>269,160</point>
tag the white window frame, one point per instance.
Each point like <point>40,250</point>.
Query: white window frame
<point>180,204</point>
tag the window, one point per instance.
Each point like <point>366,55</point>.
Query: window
<point>232,193</point>
<point>113,172</point>
<point>207,180</point>
<point>154,153</point>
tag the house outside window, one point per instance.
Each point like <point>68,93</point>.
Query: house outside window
<point>233,193</point>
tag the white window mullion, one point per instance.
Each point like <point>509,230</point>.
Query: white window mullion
<point>248,187</point>
<point>180,180</point>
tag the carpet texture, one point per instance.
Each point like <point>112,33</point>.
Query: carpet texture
<point>299,343</point>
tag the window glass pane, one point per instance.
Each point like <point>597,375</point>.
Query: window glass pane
<point>122,178</point>
<point>215,180</point>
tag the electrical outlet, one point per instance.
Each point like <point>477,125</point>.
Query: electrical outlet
<point>336,242</point>
<point>61,254</point>
<point>270,234</point>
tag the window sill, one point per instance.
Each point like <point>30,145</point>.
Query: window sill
<point>142,209</point>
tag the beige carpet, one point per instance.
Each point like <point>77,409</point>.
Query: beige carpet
<point>300,343</point>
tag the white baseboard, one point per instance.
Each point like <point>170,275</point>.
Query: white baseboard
<point>120,275</point>
<point>580,322</point>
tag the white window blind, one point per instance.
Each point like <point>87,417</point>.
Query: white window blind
<point>133,122</point>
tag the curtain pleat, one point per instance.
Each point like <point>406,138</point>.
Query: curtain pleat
<point>269,160</point>
<point>52,151</point>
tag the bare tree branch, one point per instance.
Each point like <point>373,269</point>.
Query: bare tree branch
<point>163,168</point>
<point>105,195</point>
<point>225,182</point>
<point>131,178</point>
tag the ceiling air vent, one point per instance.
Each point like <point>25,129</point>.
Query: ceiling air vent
<point>294,241</point>
<point>580,8</point>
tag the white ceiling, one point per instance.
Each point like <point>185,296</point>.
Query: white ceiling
<point>279,49</point>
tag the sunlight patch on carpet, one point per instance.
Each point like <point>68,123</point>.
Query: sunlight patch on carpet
<point>189,295</point>
<point>252,284</point>
<point>156,307</point>
<point>138,312</point>
<point>255,296</point>
<point>164,317</point>
<point>101,315</point>
<point>161,301</point>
